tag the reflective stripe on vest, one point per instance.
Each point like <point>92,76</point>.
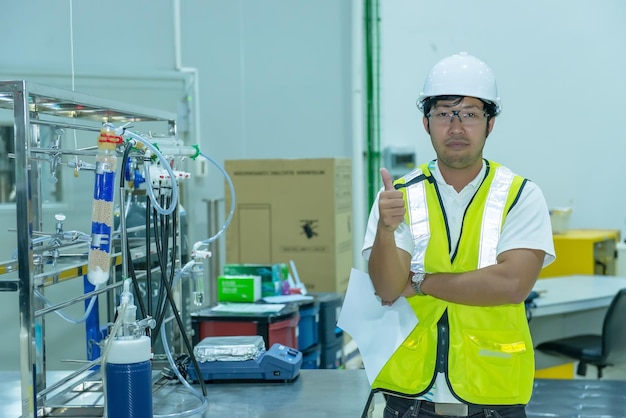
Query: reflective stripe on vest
<point>418,216</point>
<point>494,215</point>
<point>491,226</point>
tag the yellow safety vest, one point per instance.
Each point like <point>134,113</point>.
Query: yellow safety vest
<point>486,352</point>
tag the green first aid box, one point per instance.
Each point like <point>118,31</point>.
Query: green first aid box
<point>235,288</point>
<point>272,275</point>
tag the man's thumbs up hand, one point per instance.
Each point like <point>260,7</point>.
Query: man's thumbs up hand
<point>387,179</point>
<point>390,204</point>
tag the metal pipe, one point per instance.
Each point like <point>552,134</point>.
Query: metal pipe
<point>88,152</point>
<point>359,185</point>
<point>372,68</point>
<point>124,233</point>
<point>72,301</point>
<point>215,259</point>
<point>65,125</point>
<point>177,151</point>
<point>61,382</point>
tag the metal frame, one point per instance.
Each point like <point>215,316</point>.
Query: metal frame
<point>32,106</point>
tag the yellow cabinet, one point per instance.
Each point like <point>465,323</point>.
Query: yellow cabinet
<point>584,251</point>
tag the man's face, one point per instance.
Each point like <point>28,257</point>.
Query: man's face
<point>458,131</point>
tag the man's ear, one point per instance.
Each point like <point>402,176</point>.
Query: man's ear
<point>426,124</point>
<point>492,121</point>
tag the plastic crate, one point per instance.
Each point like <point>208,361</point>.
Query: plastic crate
<point>308,326</point>
<point>275,327</point>
<point>332,355</point>
<point>329,309</point>
<point>311,357</point>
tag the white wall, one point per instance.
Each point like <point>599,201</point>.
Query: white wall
<point>560,72</point>
<point>277,79</point>
<point>274,79</point>
<point>36,45</point>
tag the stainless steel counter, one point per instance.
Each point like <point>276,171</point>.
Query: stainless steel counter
<point>315,393</point>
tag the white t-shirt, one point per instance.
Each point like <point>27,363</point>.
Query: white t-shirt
<point>527,225</point>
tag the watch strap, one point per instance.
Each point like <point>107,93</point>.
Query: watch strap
<point>416,283</point>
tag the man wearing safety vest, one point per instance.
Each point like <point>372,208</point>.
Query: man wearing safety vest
<point>463,238</point>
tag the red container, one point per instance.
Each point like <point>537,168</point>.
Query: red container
<point>276,327</point>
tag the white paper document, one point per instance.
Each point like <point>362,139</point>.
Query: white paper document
<point>240,307</point>
<point>287,298</point>
<point>377,330</point>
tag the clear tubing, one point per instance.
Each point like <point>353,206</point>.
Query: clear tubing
<point>102,214</point>
<point>178,151</point>
<point>66,317</point>
<point>232,203</point>
<point>198,281</point>
<point>204,403</point>
<point>129,200</point>
<point>93,334</point>
<point>165,164</point>
<point>203,400</point>
<point>170,141</point>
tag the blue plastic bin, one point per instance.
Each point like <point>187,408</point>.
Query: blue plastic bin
<point>311,357</point>
<point>308,325</point>
<point>332,355</point>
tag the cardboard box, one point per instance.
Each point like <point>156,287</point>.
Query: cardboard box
<point>238,288</point>
<point>293,209</point>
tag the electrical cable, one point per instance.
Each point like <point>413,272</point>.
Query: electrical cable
<point>154,220</point>
<point>161,224</point>
<point>170,230</point>
<point>124,236</point>
<point>165,235</point>
<point>174,255</point>
<point>150,189</point>
<point>161,308</point>
<point>125,159</point>
<point>183,333</point>
<point>161,242</point>
<point>133,276</point>
<point>203,399</point>
<point>164,163</point>
<point>162,251</point>
<point>148,237</point>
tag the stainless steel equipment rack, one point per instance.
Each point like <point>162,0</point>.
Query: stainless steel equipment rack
<point>35,105</point>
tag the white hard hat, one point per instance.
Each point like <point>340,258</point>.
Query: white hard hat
<point>461,75</point>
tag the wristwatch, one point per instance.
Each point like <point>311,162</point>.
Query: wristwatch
<point>416,283</point>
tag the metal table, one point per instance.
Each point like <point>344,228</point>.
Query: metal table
<point>314,393</point>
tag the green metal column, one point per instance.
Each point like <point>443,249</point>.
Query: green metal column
<point>372,96</point>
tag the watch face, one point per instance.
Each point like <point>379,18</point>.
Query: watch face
<point>417,280</point>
